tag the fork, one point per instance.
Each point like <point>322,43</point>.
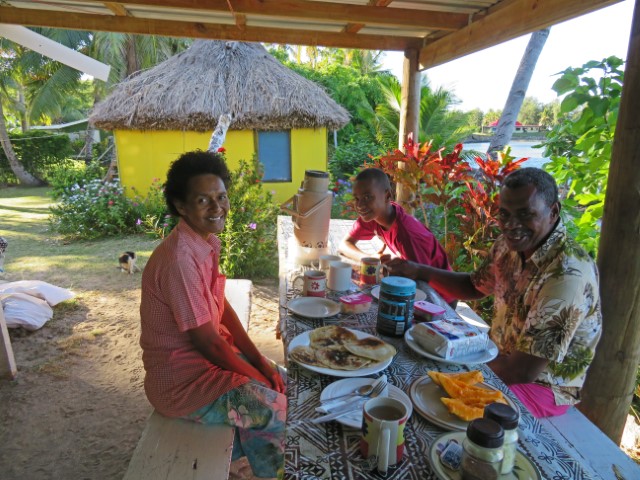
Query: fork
<point>351,406</point>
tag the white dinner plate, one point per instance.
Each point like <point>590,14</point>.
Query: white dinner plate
<point>346,385</point>
<point>303,339</point>
<point>425,395</point>
<point>314,307</point>
<point>420,295</point>
<point>524,468</point>
<point>471,359</point>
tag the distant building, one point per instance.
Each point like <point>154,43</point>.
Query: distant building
<point>491,128</point>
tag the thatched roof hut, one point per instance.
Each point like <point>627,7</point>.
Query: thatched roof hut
<point>190,91</point>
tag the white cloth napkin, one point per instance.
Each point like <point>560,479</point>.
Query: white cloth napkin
<point>353,404</point>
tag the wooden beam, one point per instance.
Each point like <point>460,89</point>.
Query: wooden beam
<point>608,390</point>
<point>356,27</point>
<point>7,361</point>
<point>117,8</point>
<point>339,12</point>
<point>170,28</point>
<point>516,19</point>
<point>409,118</point>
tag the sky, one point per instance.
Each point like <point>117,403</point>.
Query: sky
<point>483,79</point>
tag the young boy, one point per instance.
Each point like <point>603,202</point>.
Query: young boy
<point>401,233</point>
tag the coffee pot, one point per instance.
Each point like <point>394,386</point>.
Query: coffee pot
<point>310,211</point>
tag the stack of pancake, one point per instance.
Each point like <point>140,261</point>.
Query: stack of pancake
<point>340,349</point>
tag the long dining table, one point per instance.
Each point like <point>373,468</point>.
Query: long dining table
<point>330,450</point>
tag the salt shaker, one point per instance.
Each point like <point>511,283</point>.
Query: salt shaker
<point>482,450</point>
<point>508,419</point>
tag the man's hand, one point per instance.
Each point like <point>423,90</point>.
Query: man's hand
<point>401,268</point>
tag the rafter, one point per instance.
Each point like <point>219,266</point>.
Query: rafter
<point>340,12</point>
<point>517,18</point>
<point>117,8</point>
<point>356,27</point>
<point>108,23</point>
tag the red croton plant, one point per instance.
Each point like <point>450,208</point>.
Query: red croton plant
<point>460,202</point>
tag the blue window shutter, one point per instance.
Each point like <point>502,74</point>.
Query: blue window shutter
<point>274,152</point>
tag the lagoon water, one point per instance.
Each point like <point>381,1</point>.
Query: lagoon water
<point>519,149</point>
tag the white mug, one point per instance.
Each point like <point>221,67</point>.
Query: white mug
<point>314,283</point>
<point>383,422</point>
<point>339,276</point>
<point>324,262</point>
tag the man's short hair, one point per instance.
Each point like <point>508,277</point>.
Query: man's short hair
<point>187,166</point>
<point>376,175</point>
<point>544,183</point>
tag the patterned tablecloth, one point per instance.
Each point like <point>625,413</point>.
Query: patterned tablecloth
<point>331,450</point>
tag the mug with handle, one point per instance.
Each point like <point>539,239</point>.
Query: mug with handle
<point>371,270</point>
<point>383,422</point>
<point>314,283</point>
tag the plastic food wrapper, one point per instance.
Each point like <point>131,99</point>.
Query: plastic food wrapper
<point>355,303</point>
<point>449,338</point>
<point>426,311</point>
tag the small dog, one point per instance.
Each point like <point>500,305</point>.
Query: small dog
<point>128,262</point>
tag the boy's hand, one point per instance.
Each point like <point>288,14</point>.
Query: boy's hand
<point>402,268</point>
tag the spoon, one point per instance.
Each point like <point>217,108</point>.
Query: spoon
<point>363,391</point>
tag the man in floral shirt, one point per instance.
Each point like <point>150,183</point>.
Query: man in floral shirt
<point>547,319</point>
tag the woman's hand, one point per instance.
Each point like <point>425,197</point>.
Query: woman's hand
<point>270,371</point>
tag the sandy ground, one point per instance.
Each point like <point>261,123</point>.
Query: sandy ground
<point>77,407</point>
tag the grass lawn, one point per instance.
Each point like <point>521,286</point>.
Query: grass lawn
<point>34,252</point>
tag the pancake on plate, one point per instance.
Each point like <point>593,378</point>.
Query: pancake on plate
<point>371,347</point>
<point>339,358</point>
<point>331,335</point>
<point>305,354</point>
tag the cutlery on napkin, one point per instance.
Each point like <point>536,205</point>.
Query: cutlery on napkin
<point>338,408</point>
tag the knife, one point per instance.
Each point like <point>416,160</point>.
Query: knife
<point>349,406</point>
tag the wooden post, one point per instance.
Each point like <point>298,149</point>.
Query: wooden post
<point>409,114</point>
<point>7,362</point>
<point>608,391</point>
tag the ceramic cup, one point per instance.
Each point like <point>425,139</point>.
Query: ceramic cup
<point>339,276</point>
<point>314,283</point>
<point>371,270</point>
<point>324,262</point>
<point>383,422</point>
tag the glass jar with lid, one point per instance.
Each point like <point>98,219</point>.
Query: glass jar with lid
<point>482,450</point>
<point>508,419</point>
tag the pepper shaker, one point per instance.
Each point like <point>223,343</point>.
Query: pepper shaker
<point>482,450</point>
<point>508,419</point>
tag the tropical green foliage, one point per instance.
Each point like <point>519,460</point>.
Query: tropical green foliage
<point>34,87</point>
<point>68,173</point>
<point>41,153</point>
<point>249,239</point>
<point>96,209</point>
<point>580,147</point>
<point>445,127</point>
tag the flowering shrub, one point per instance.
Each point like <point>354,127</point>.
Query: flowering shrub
<point>69,173</point>
<point>94,210</point>
<point>249,239</point>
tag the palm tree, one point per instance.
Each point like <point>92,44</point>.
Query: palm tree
<point>507,122</point>
<point>34,86</point>
<point>437,121</point>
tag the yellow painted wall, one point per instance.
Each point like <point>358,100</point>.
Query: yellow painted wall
<point>145,156</point>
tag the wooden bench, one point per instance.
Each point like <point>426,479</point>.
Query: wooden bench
<point>174,449</point>
<point>7,361</point>
<point>595,448</point>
